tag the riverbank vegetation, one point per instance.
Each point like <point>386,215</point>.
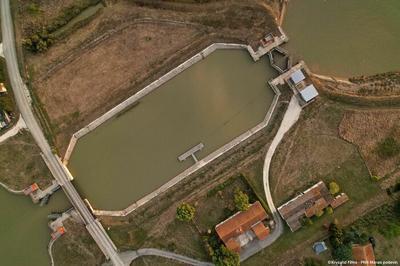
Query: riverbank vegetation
<point>21,163</point>
<point>42,20</point>
<point>384,84</point>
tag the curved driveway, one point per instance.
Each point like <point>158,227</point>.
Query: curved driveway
<point>290,118</point>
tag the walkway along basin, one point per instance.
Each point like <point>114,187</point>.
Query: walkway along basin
<point>133,154</point>
<point>345,38</point>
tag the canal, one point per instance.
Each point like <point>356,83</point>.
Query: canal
<point>345,38</point>
<point>212,102</point>
<point>24,234</point>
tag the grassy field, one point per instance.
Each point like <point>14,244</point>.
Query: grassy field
<point>76,247</point>
<point>212,207</point>
<point>368,129</point>
<point>21,163</point>
<point>378,223</point>
<point>314,151</point>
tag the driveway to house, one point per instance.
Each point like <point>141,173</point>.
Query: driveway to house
<point>14,130</point>
<point>290,118</point>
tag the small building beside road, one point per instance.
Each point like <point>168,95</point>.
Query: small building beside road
<point>244,227</point>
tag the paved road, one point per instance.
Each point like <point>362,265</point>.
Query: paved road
<point>289,119</point>
<point>14,130</point>
<point>53,162</point>
<point>129,256</point>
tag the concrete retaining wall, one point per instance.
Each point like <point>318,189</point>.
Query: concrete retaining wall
<point>206,160</point>
<point>154,85</point>
<point>146,90</point>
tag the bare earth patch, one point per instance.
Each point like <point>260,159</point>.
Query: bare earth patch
<point>367,129</point>
<point>99,78</point>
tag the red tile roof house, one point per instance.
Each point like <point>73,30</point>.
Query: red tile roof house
<point>364,255</point>
<point>243,227</point>
<point>308,204</point>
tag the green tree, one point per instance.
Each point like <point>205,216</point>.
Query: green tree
<point>343,252</point>
<point>241,200</point>
<point>334,188</point>
<point>319,213</point>
<point>329,210</point>
<point>336,237</point>
<point>185,212</point>
<point>225,257</point>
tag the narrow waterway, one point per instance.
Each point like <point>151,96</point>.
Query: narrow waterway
<point>24,233</point>
<point>212,102</point>
<point>345,37</point>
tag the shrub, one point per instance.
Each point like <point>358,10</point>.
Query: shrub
<point>329,210</point>
<point>241,200</point>
<point>336,238</point>
<point>334,188</point>
<point>392,230</point>
<point>226,257</point>
<point>38,42</point>
<point>376,178</point>
<point>185,212</point>
<point>33,9</point>
<point>389,147</point>
<point>342,253</point>
<point>220,255</point>
<point>319,213</point>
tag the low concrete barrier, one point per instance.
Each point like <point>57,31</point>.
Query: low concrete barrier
<point>157,83</point>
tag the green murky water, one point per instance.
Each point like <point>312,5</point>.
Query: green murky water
<point>24,234</point>
<point>345,37</point>
<point>212,102</point>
